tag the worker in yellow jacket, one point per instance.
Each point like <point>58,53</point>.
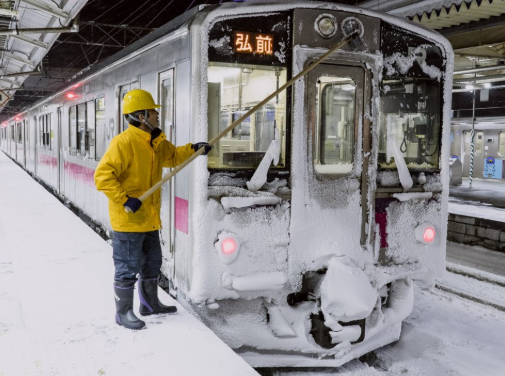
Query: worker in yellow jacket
<point>132,164</point>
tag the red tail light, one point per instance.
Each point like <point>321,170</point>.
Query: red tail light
<point>228,246</point>
<point>429,235</point>
<point>425,233</point>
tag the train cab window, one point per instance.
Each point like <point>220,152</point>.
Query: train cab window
<point>233,89</point>
<point>335,125</point>
<point>410,121</point>
<point>501,144</point>
<point>99,140</point>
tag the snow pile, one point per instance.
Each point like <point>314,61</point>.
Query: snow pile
<point>254,282</point>
<point>399,63</point>
<point>346,293</point>
<point>278,323</point>
<point>222,46</point>
<point>244,202</point>
<point>394,150</point>
<point>272,155</point>
<point>413,196</point>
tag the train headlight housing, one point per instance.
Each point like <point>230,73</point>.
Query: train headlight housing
<point>425,233</point>
<point>326,25</point>
<point>227,247</point>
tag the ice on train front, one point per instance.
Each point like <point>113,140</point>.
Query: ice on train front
<point>309,220</point>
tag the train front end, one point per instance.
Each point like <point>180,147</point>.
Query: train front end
<point>310,220</point>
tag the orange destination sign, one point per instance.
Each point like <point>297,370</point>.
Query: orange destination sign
<point>254,43</point>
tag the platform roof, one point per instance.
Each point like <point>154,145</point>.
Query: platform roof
<point>28,29</point>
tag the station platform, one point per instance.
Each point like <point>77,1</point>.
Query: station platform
<point>57,303</point>
<point>484,192</point>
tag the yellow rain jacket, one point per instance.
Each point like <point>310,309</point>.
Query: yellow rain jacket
<point>129,168</point>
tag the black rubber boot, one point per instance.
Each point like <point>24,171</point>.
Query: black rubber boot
<point>123,293</point>
<point>149,302</point>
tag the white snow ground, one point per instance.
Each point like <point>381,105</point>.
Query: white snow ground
<point>57,303</point>
<point>57,311</point>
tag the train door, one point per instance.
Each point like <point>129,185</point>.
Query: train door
<point>59,141</point>
<point>123,124</point>
<point>332,205</point>
<point>166,97</point>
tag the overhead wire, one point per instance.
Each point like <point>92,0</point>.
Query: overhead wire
<point>92,49</point>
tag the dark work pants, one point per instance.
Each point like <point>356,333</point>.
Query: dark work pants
<point>136,252</point>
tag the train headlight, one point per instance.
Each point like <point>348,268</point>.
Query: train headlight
<point>227,247</point>
<point>425,233</point>
<point>326,25</point>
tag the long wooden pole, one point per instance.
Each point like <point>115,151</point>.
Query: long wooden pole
<point>304,72</point>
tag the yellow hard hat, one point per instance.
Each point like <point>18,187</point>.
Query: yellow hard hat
<point>137,100</point>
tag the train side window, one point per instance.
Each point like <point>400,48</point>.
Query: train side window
<point>49,132</point>
<point>501,144</point>
<point>167,101</point>
<point>90,129</point>
<point>72,114</point>
<point>410,123</point>
<point>336,125</point>
<point>19,133</point>
<point>81,129</point>
<point>41,131</point>
<point>100,146</point>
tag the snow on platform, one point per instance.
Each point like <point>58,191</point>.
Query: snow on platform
<point>57,303</point>
<point>486,199</point>
<point>477,211</point>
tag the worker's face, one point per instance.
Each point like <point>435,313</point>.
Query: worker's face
<point>153,118</point>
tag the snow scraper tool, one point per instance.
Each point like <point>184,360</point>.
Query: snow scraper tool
<point>353,39</point>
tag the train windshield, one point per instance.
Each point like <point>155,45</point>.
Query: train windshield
<point>336,125</point>
<point>233,89</point>
<point>410,123</point>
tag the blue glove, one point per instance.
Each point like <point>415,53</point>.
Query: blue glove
<point>199,145</point>
<point>133,204</point>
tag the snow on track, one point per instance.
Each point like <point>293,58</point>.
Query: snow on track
<point>469,288</point>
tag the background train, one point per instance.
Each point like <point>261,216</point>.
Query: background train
<point>314,267</point>
<point>489,144</point>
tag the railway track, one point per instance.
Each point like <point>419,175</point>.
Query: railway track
<point>481,287</point>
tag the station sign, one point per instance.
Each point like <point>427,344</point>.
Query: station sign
<point>255,41</point>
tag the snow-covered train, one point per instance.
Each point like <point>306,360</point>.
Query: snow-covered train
<point>314,267</point>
